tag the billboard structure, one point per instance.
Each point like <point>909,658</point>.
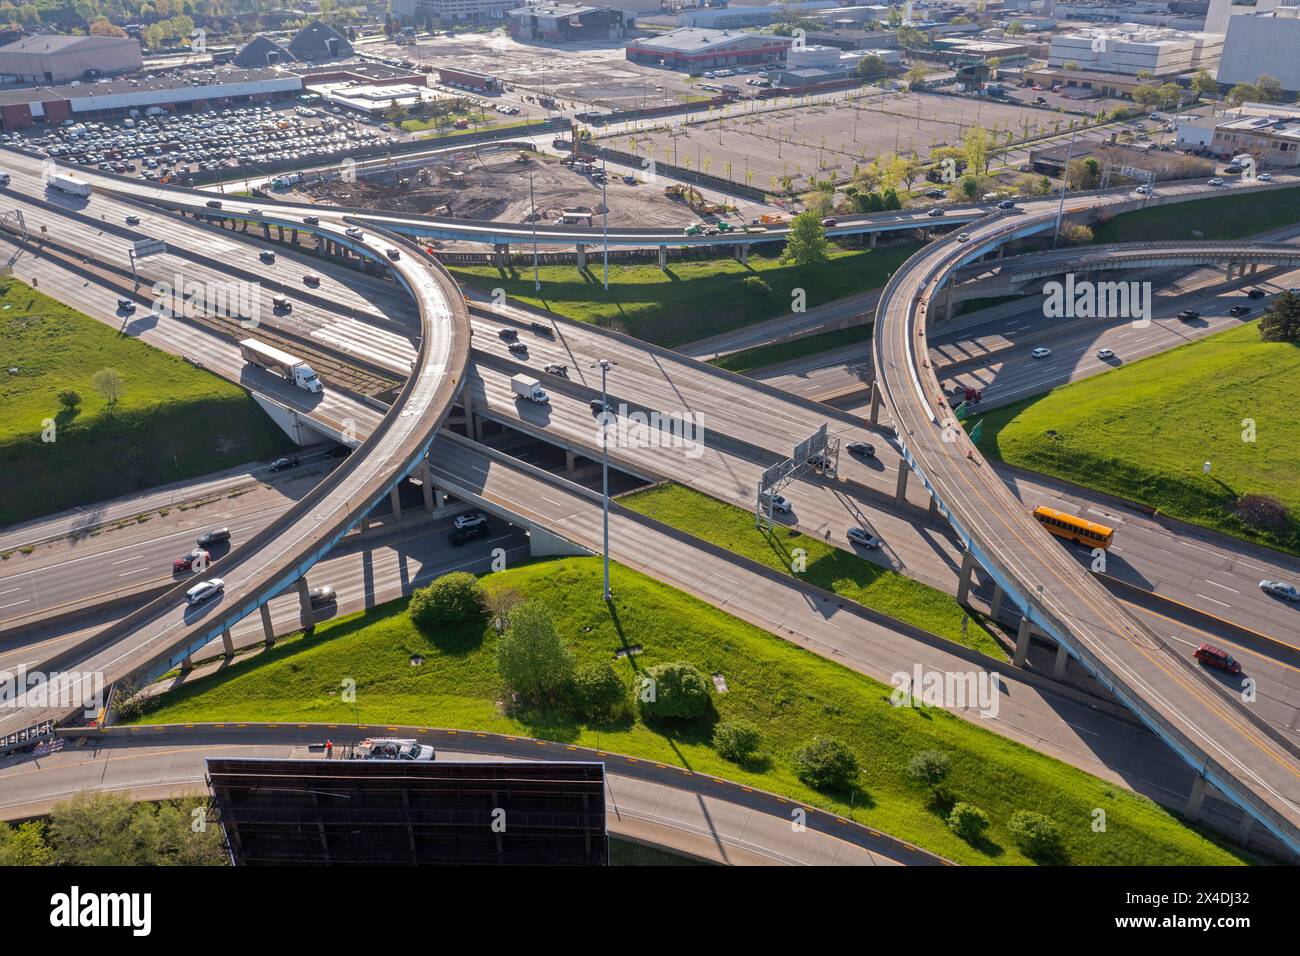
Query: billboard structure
<point>819,453</point>
<point>277,812</point>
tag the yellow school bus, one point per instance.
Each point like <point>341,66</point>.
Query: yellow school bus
<point>1073,528</point>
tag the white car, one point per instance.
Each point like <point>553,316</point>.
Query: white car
<point>1265,177</point>
<point>1041,352</point>
<point>963,237</point>
<point>204,590</point>
<point>1105,353</point>
<point>862,538</point>
<point>394,748</point>
<point>1216,181</point>
<point>779,503</point>
<point>1280,589</point>
<point>470,519</point>
<point>1143,190</point>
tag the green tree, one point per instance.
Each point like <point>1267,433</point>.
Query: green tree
<point>455,598</point>
<point>24,845</point>
<point>826,763</point>
<point>108,383</point>
<point>532,657</point>
<point>1270,88</point>
<point>1243,93</point>
<point>673,691</point>
<point>916,75</point>
<point>69,398</point>
<point>872,66</point>
<point>977,147</point>
<point>1170,96</point>
<point>1281,321</point>
<point>736,740</point>
<point>600,695</point>
<point>806,244</point>
<point>1036,836</point>
<point>968,821</point>
<point>99,829</point>
<point>929,767</point>
<point>1203,83</point>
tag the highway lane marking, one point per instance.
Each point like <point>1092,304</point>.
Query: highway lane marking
<point>1224,586</point>
<point>10,591</point>
<point>15,604</point>
<point>136,571</point>
<point>1204,598</point>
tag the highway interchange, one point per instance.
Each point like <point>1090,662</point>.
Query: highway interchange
<point>746,427</point>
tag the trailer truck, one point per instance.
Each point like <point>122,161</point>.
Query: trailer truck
<point>282,363</point>
<point>67,183</point>
<point>526,386</point>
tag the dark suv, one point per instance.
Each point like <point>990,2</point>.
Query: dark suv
<point>215,536</point>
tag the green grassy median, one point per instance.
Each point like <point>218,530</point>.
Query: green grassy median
<point>827,566</point>
<point>171,421</point>
<point>1233,216</point>
<point>1144,432</point>
<point>791,694</point>
<point>693,298</point>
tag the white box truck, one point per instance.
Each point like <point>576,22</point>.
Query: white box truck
<point>67,183</point>
<point>282,363</point>
<point>528,387</point>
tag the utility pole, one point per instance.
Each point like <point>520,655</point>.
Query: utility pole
<point>605,365</point>
<point>604,205</point>
<point>532,210</point>
<point>1065,180</point>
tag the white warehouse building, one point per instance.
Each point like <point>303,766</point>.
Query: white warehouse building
<point>1130,50</point>
<point>1263,43</point>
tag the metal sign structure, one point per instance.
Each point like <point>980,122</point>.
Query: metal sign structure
<point>143,248</point>
<point>818,452</point>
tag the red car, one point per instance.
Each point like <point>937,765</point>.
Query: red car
<point>1211,656</point>
<point>186,561</point>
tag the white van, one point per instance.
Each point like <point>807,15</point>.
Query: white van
<point>204,590</point>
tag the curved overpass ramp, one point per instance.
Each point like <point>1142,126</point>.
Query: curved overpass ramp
<point>1209,728</point>
<point>161,634</point>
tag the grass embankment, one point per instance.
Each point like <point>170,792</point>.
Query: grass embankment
<point>172,421</point>
<point>790,694</point>
<point>1145,430</point>
<point>763,356</point>
<point>692,299</point>
<point>826,566</point>
<point>1231,216</point>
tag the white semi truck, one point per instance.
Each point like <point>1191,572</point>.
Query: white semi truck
<point>528,387</point>
<point>282,363</point>
<point>67,183</point>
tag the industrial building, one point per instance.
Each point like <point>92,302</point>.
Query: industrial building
<point>419,12</point>
<point>1129,50</point>
<point>22,108</point>
<point>315,43</point>
<point>1263,43</point>
<point>693,50</point>
<point>568,22</point>
<point>62,59</point>
<point>1273,140</point>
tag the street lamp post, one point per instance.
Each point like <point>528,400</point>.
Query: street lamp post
<point>532,203</point>
<point>604,365</point>
<point>604,205</point>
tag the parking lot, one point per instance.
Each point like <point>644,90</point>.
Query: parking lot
<point>173,147</point>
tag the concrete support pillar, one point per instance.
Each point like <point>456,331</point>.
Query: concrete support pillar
<point>742,253</point>
<point>266,230</point>
<point>426,485</point>
<point>1228,270</point>
<point>1061,662</point>
<point>1001,250</point>
<point>963,580</point>
<point>900,494</point>
<point>268,632</point>
<point>947,315</point>
<point>1244,828</point>
<point>570,461</point>
<point>663,257</point>
<point>934,507</point>
<point>227,643</point>
<point>187,665</point>
<point>875,402</point>
<point>304,602</point>
<point>1022,642</point>
<point>293,236</point>
<point>1254,268</point>
<point>395,498</point>
<point>872,239</point>
<point>995,608</point>
<point>582,256</point>
<point>1193,811</point>
<point>279,233</point>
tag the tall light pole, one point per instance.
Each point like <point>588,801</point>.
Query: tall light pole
<point>604,205</point>
<point>532,202</point>
<point>1065,180</point>
<point>604,365</point>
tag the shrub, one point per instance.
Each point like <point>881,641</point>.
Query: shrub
<point>532,657</point>
<point>757,285</point>
<point>968,821</point>
<point>1036,835</point>
<point>736,740</point>
<point>674,690</point>
<point>451,599</point>
<point>69,398</point>
<point>929,767</point>
<point>826,763</point>
<point>599,693</point>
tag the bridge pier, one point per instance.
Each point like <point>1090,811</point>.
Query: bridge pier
<point>187,665</point>
<point>426,486</point>
<point>582,256</point>
<point>872,239</point>
<point>1228,270</point>
<point>995,608</point>
<point>900,493</point>
<point>395,499</point>
<point>1062,661</point>
<point>875,403</point>
<point>1193,809</point>
<point>304,603</point>
<point>1244,828</point>
<point>502,253</point>
<point>663,257</point>
<point>293,236</point>
<point>570,461</point>
<point>742,253</point>
<point>963,581</point>
<point>266,230</point>
<point>279,233</point>
<point>1022,642</point>
<point>933,510</point>
<point>268,633</point>
<point>227,643</point>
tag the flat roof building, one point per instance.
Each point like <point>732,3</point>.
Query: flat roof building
<point>61,59</point>
<point>693,49</point>
<point>1129,50</point>
<point>568,22</point>
<point>1263,43</point>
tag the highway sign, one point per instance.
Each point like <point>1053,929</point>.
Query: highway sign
<point>960,411</point>
<point>148,247</point>
<point>977,431</point>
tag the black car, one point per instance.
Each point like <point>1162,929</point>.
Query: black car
<point>311,220</point>
<point>864,448</point>
<point>213,204</point>
<point>936,194</point>
<point>598,406</point>
<point>215,536</point>
<point>1188,315</point>
<point>541,328</point>
<point>507,335</point>
<point>125,305</point>
<point>322,596</point>
<point>459,536</point>
<point>266,256</point>
<point>517,348</point>
<point>283,464</point>
<point>1256,294</point>
<point>1239,310</point>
